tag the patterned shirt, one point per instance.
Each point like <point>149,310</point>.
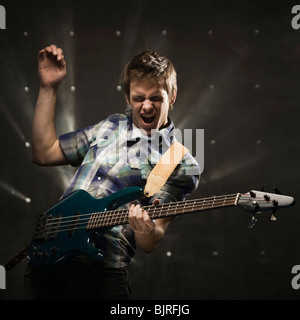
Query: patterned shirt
<point>113,155</point>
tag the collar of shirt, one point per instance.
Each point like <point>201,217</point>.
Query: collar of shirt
<point>134,133</point>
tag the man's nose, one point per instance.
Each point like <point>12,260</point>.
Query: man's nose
<point>147,105</point>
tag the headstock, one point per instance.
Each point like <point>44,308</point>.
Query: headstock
<point>256,202</point>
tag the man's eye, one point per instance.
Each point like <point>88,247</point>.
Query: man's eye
<point>157,98</point>
<point>138,99</point>
<point>142,99</point>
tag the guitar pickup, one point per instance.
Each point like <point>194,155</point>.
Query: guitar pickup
<point>73,225</point>
<point>55,225</point>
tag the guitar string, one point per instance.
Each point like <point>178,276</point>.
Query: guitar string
<point>186,202</point>
<point>196,206</point>
<point>109,223</point>
<point>147,208</point>
<point>161,207</point>
<point>105,220</point>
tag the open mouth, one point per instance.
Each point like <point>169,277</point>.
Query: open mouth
<point>148,119</point>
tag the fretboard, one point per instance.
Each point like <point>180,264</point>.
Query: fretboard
<point>118,217</point>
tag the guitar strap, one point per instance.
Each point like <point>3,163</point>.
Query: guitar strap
<point>163,169</point>
<point>155,181</point>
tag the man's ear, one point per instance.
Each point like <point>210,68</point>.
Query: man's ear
<point>172,100</point>
<point>174,97</point>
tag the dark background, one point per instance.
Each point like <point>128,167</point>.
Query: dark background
<point>238,79</point>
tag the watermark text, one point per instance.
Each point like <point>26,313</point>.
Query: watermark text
<point>296,279</point>
<point>296,19</point>
<point>2,17</point>
<point>2,278</point>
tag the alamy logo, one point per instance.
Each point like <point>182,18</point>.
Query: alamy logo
<point>296,278</point>
<point>296,19</point>
<point>2,278</point>
<point>2,18</point>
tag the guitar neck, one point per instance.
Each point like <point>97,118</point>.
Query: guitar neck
<point>118,217</point>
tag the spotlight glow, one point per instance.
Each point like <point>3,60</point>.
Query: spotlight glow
<point>14,124</point>
<point>13,191</point>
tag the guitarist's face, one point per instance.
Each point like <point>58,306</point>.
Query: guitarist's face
<point>150,105</point>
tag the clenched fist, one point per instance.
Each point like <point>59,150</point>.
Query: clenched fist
<point>52,66</point>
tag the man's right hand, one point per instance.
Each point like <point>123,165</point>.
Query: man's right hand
<point>46,148</point>
<point>52,66</point>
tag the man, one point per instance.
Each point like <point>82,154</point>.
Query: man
<point>114,154</point>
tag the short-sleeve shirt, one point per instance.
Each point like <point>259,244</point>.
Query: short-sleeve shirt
<point>113,155</point>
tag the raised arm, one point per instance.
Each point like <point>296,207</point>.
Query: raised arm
<point>45,144</point>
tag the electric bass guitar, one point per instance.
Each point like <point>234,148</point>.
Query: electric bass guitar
<point>66,229</point>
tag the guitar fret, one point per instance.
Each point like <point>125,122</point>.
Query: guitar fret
<point>99,216</point>
<point>168,209</point>
<point>125,216</point>
<point>117,217</point>
<point>154,211</point>
<point>203,204</point>
<point>176,208</point>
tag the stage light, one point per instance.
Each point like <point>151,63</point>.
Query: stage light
<point>168,253</point>
<point>28,200</point>
<point>164,32</point>
<point>118,33</point>
<point>13,123</point>
<point>27,144</point>
<point>13,191</point>
<point>26,89</point>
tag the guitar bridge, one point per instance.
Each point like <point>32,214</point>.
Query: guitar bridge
<point>40,232</point>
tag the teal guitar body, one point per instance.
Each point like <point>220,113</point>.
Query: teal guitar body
<point>68,228</point>
<point>65,230</point>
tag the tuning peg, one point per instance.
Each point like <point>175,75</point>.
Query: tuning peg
<point>277,191</point>
<point>256,205</point>
<point>275,205</point>
<point>252,194</point>
<point>263,188</point>
<point>252,222</point>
